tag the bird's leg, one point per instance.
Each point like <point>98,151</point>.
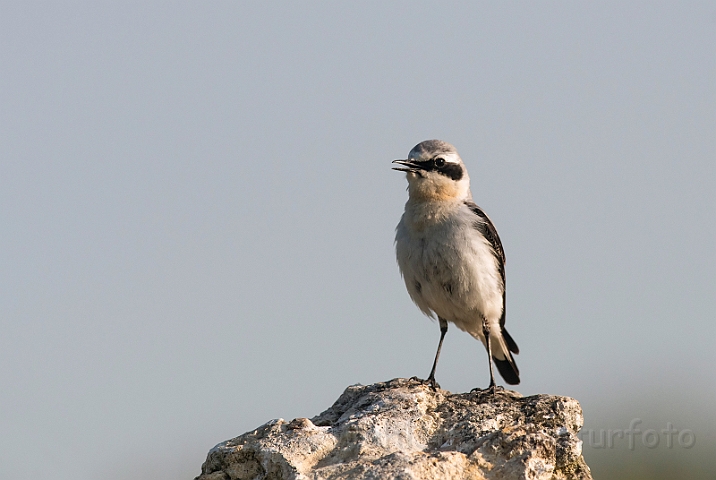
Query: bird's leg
<point>486,333</point>
<point>443,331</point>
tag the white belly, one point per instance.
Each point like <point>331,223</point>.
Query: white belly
<point>450,271</point>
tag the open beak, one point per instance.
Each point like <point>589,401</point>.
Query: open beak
<point>407,166</point>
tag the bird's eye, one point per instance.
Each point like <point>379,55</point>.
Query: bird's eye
<point>439,162</point>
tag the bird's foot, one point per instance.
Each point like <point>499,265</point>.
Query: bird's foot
<point>491,390</point>
<point>433,384</point>
<point>430,381</point>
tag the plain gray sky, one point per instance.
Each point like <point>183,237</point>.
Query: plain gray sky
<point>197,213</point>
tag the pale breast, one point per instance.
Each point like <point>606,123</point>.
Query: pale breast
<point>451,270</point>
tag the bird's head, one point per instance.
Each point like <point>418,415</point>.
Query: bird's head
<point>435,172</point>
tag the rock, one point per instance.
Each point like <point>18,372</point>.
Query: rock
<point>403,429</point>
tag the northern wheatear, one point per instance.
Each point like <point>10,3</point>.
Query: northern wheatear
<point>451,257</point>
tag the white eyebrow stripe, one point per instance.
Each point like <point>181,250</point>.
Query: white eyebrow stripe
<point>449,157</point>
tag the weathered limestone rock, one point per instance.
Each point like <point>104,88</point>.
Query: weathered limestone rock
<point>402,429</point>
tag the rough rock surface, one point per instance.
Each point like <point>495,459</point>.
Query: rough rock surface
<point>402,429</point>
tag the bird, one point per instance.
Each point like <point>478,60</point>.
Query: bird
<point>451,257</point>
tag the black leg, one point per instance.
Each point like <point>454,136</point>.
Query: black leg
<point>443,331</point>
<point>486,332</point>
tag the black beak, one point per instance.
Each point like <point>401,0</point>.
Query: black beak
<point>411,167</point>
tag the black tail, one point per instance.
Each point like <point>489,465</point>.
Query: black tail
<point>507,366</point>
<point>511,344</point>
<point>508,370</point>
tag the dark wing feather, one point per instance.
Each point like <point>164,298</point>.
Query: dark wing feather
<point>487,228</point>
<point>490,232</point>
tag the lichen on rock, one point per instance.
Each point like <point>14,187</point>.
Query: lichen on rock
<point>403,429</point>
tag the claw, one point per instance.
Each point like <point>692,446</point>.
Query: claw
<point>491,390</point>
<point>433,384</point>
<point>430,381</point>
